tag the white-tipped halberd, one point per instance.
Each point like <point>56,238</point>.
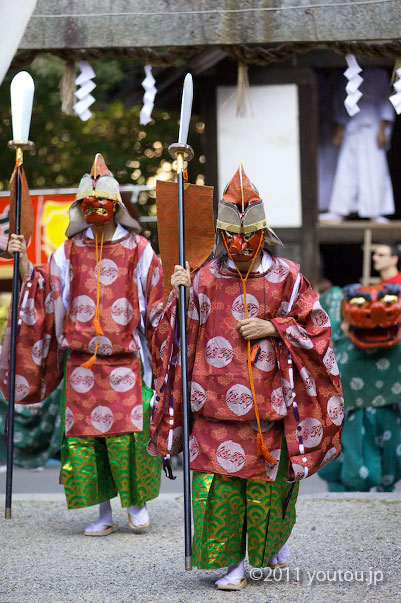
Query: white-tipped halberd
<point>21,92</point>
<point>186,109</point>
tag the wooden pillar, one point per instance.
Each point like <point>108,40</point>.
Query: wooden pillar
<point>308,137</point>
<point>207,104</point>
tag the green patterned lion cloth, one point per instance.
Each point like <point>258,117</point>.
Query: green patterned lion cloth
<point>37,434</point>
<point>371,437</point>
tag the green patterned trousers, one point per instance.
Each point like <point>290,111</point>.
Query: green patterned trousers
<point>227,508</point>
<point>95,469</point>
<point>371,451</point>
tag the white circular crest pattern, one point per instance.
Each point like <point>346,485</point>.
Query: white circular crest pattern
<point>278,271</point>
<point>298,338</point>
<point>37,352</point>
<point>267,358</point>
<point>136,417</point>
<point>319,317</point>
<point>82,309</point>
<point>102,418</point>
<point>198,396</point>
<point>311,432</point>
<point>108,272</point>
<point>329,456</point>
<point>335,409</point>
<point>192,310</point>
<point>238,306</point>
<point>156,314</point>
<point>278,402</point>
<point>287,391</point>
<point>330,362</point>
<point>69,419</point>
<point>82,380</point>
<point>230,456</point>
<point>309,382</point>
<point>104,348</point>
<point>205,307</point>
<point>29,314</point>
<point>155,276</point>
<point>219,352</point>
<point>193,448</point>
<point>21,388</point>
<point>239,399</point>
<point>299,471</point>
<point>271,468</point>
<point>122,311</point>
<point>122,379</point>
<point>214,269</point>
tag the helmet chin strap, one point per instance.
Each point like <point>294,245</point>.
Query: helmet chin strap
<point>261,447</point>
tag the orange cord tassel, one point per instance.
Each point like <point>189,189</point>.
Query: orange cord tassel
<point>89,363</point>
<point>263,450</point>
<point>98,326</point>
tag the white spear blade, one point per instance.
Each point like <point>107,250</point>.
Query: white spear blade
<point>21,92</point>
<point>186,108</point>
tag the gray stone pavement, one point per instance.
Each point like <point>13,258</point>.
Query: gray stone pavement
<point>46,481</point>
<point>345,547</point>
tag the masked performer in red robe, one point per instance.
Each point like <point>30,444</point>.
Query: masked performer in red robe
<point>89,315</point>
<point>265,394</point>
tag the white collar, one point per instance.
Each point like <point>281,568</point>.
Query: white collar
<point>119,232</point>
<point>264,265</point>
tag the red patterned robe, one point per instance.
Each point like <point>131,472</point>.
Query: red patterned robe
<point>296,377</point>
<point>57,306</point>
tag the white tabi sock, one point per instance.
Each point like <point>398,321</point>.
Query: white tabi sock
<point>139,515</point>
<point>234,575</point>
<point>105,518</point>
<point>281,556</point>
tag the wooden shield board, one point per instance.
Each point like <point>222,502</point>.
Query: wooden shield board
<point>199,226</point>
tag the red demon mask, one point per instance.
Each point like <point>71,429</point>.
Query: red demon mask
<point>373,314</point>
<point>243,247</point>
<point>96,210</point>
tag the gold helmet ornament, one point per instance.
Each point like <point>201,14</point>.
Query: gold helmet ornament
<point>241,220</point>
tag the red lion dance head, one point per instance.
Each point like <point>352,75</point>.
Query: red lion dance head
<point>373,314</point>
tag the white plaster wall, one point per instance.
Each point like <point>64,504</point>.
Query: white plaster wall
<point>266,141</point>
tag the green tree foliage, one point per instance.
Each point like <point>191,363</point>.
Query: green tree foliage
<point>66,146</point>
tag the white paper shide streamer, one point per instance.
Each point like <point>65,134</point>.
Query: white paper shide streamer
<point>148,85</point>
<point>395,99</point>
<point>354,81</point>
<point>83,94</point>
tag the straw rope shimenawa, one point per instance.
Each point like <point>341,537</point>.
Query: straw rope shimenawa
<point>247,54</point>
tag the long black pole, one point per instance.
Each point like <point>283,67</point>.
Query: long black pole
<point>184,374</point>
<point>13,349</point>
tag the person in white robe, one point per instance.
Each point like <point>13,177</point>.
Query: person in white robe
<point>362,182</point>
